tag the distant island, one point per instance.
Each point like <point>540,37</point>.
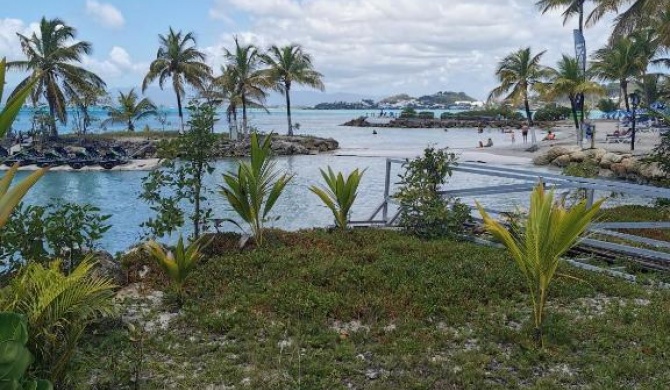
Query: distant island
<point>437,101</point>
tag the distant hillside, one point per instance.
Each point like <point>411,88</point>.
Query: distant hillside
<point>396,98</point>
<point>445,98</point>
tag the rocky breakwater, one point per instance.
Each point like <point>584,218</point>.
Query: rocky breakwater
<point>612,165</point>
<point>416,123</point>
<point>282,145</point>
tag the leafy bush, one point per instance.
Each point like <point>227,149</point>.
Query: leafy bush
<point>552,113</point>
<point>340,194</point>
<point>58,307</point>
<point>179,181</point>
<point>407,113</point>
<point>39,233</point>
<point>501,113</point>
<point>15,358</point>
<point>607,105</point>
<point>423,210</point>
<point>426,115</point>
<point>253,190</point>
<point>549,231</point>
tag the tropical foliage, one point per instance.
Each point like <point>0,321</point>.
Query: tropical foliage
<point>179,263</point>
<point>51,57</point>
<point>339,194</point>
<point>130,110</point>
<point>519,73</point>
<point>549,231</point>
<point>179,60</point>
<point>254,188</point>
<point>288,66</point>
<point>58,308</point>
<point>248,81</point>
<point>15,358</point>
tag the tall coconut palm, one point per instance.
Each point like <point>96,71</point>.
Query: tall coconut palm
<point>652,87</point>
<point>51,56</point>
<point>178,59</point>
<point>518,74</point>
<point>249,80</point>
<point>130,110</point>
<point>567,81</point>
<point>571,8</point>
<point>622,60</point>
<point>227,83</point>
<point>287,66</point>
<point>631,14</point>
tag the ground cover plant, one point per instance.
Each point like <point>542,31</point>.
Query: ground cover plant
<point>380,309</point>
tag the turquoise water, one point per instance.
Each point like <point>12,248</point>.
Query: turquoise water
<point>116,193</point>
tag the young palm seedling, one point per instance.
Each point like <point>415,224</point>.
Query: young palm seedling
<point>548,232</point>
<point>177,265</point>
<point>339,194</point>
<point>253,190</point>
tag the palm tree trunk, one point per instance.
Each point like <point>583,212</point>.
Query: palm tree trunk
<point>53,133</point>
<point>181,114</point>
<point>288,109</point>
<point>528,114</point>
<point>244,116</point>
<point>131,127</point>
<point>573,106</point>
<point>624,89</point>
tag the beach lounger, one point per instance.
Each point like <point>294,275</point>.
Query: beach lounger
<point>617,139</point>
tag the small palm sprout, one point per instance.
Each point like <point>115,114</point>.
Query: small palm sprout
<point>549,231</point>
<point>253,190</point>
<point>177,265</point>
<point>339,194</point>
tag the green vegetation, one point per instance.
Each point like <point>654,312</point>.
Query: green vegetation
<point>50,57</point>
<point>519,73</point>
<point>130,110</point>
<point>15,358</point>
<point>58,308</point>
<point>179,180</point>
<point>426,115</point>
<point>607,105</point>
<point>502,113</point>
<point>549,231</point>
<point>179,60</point>
<point>424,211</point>
<point>287,66</point>
<point>552,113</point>
<point>39,233</point>
<point>255,187</point>
<point>339,194</point>
<point>379,309</point>
<point>179,263</point>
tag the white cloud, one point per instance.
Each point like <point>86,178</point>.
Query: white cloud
<point>387,46</point>
<point>104,13</point>
<point>9,42</point>
<point>117,66</point>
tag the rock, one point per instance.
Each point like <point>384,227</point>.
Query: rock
<point>557,151</point>
<point>652,171</point>
<point>609,159</point>
<point>578,156</point>
<point>605,173</point>
<point>595,154</point>
<point>542,159</point>
<point>618,169</point>
<point>631,165</point>
<point>108,267</point>
<point>562,161</point>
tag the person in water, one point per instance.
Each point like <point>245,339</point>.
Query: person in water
<point>374,132</point>
<point>550,136</point>
<point>488,144</point>
<point>524,134</point>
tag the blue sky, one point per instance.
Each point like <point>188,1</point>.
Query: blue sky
<point>367,47</point>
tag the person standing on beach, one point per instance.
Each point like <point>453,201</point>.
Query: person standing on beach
<point>524,134</point>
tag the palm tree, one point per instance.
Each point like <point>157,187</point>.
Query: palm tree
<point>567,81</point>
<point>289,65</point>
<point>178,59</point>
<point>519,73</point>
<point>51,58</point>
<point>652,86</point>
<point>250,81</point>
<point>571,8</point>
<point>130,110</point>
<point>637,13</point>
<point>621,60</point>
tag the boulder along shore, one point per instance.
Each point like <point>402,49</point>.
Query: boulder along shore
<point>417,123</point>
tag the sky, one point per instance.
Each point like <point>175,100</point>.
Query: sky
<point>372,48</point>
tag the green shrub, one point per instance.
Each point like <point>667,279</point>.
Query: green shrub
<point>58,308</point>
<point>15,358</point>
<point>423,210</point>
<point>179,263</point>
<point>502,113</point>
<point>552,113</point>
<point>408,113</point>
<point>426,115</point>
<point>40,233</point>
<point>607,105</point>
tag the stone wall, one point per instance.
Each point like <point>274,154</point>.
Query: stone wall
<point>616,165</point>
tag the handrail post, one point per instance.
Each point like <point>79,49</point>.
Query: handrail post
<point>387,190</point>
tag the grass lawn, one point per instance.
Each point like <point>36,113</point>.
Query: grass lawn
<point>369,309</point>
